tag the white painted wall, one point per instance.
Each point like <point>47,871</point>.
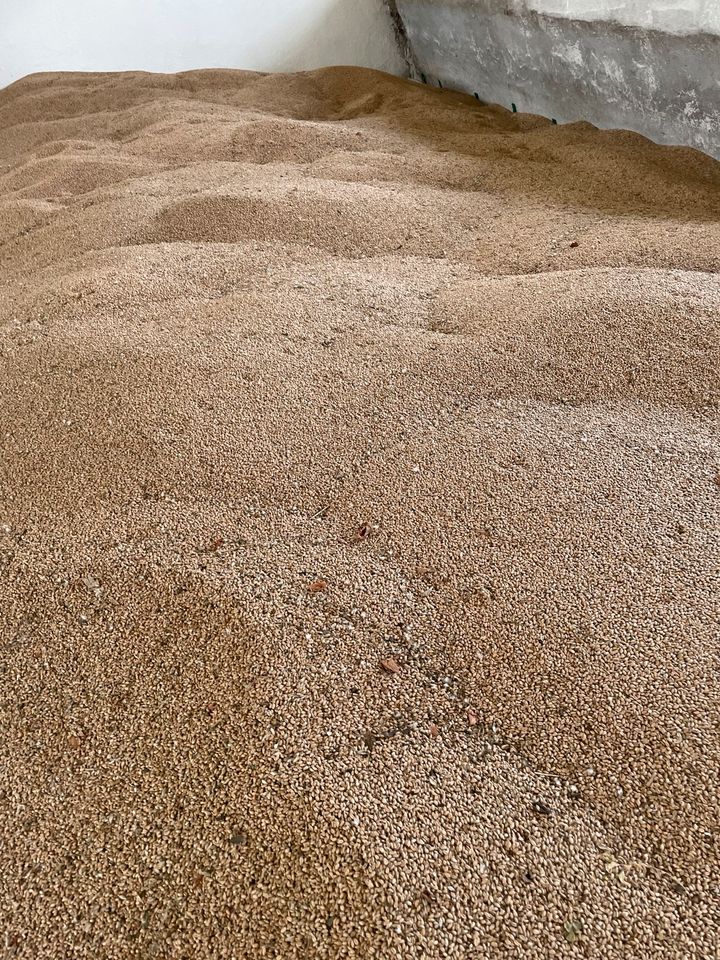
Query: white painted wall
<point>680,17</point>
<point>170,35</point>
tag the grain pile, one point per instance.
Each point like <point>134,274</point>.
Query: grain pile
<point>299,374</point>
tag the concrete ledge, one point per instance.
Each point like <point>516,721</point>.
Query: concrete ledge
<point>663,85</point>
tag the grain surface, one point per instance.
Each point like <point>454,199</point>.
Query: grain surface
<point>359,543</point>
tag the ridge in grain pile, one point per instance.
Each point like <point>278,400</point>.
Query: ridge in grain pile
<point>303,375</point>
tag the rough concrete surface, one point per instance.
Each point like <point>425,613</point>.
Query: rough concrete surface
<point>661,83</point>
<point>670,16</point>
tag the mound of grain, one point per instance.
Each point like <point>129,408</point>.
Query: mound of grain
<point>359,500</point>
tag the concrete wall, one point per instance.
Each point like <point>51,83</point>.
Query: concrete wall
<point>170,35</point>
<point>669,16</point>
<point>653,67</point>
